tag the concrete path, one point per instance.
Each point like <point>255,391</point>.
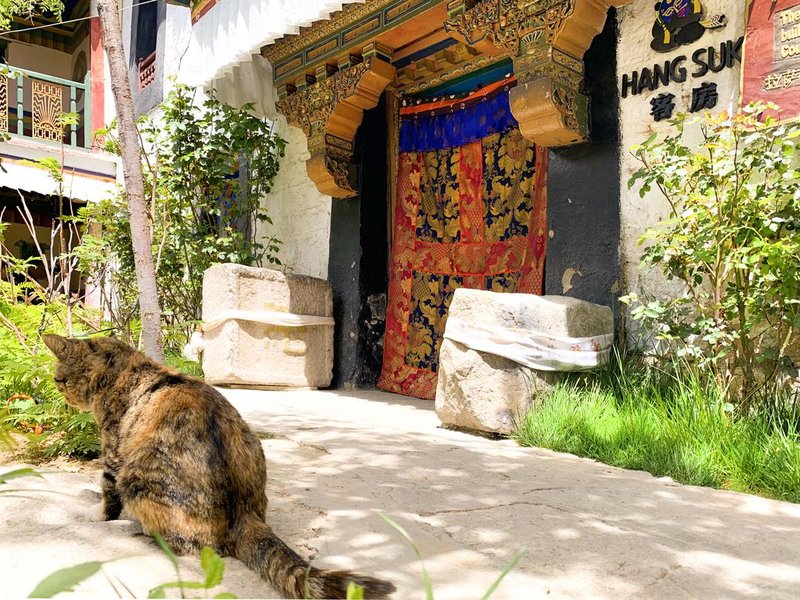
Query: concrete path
<point>470,503</point>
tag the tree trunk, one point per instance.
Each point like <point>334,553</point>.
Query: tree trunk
<point>134,181</point>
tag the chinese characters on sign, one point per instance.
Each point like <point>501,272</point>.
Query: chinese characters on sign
<point>705,96</point>
<point>663,106</point>
<point>772,62</point>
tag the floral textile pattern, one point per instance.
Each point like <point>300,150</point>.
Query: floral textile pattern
<point>467,216</point>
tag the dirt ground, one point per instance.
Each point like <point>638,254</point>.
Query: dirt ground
<point>335,459</point>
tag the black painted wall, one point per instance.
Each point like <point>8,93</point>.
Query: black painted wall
<point>583,190</point>
<point>357,264</point>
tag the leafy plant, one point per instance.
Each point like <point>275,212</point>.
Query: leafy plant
<point>31,404</point>
<point>41,290</point>
<point>671,421</point>
<point>16,474</point>
<point>65,580</point>
<point>207,168</point>
<point>213,567</point>
<point>732,240</point>
<point>27,9</point>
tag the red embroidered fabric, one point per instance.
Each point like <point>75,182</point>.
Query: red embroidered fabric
<point>471,216</point>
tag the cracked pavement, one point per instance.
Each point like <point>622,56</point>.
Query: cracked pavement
<point>335,459</point>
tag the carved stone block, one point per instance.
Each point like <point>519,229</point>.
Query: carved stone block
<point>487,391</point>
<point>266,328</point>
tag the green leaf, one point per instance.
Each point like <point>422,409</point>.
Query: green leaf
<point>225,595</point>
<point>511,564</point>
<point>17,473</point>
<point>65,580</point>
<point>213,566</point>
<point>354,591</point>
<point>426,580</point>
<point>166,549</point>
<point>191,585</point>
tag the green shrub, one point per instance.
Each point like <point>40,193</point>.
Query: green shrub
<point>32,404</point>
<point>206,171</point>
<point>732,240</point>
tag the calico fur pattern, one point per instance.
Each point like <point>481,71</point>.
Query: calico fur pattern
<point>182,460</point>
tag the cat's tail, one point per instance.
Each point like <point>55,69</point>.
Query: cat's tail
<point>257,546</point>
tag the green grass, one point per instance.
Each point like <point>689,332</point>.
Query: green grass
<point>674,425</point>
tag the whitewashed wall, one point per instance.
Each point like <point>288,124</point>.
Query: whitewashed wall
<point>222,54</point>
<point>301,215</point>
<point>634,52</point>
<point>232,32</point>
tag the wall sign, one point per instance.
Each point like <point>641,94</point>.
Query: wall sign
<point>772,61</point>
<point>680,22</point>
<point>702,62</point>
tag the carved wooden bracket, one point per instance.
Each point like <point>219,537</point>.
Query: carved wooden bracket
<point>330,110</point>
<point>546,39</point>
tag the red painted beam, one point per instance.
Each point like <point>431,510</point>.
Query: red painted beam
<point>98,75</point>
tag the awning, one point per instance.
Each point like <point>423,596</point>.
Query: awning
<point>226,41</point>
<point>88,176</point>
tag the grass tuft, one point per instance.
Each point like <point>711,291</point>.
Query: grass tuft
<point>669,424</point>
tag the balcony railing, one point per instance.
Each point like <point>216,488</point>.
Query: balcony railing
<point>31,105</point>
<point>147,70</point>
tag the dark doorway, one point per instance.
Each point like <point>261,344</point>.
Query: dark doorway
<point>357,266</point>
<point>583,189</point>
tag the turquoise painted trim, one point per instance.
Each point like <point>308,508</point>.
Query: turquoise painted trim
<point>73,86</point>
<point>73,108</point>
<point>341,46</point>
<point>49,78</point>
<point>50,146</point>
<point>20,105</point>
<point>87,111</point>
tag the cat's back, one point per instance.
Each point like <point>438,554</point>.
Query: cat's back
<point>191,436</point>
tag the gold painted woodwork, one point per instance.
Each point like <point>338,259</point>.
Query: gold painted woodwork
<point>442,66</point>
<point>3,103</point>
<point>329,112</point>
<point>47,106</point>
<point>546,40</point>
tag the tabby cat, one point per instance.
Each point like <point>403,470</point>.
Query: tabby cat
<point>182,460</point>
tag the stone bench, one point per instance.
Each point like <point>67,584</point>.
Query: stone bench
<point>500,351</point>
<point>263,327</point>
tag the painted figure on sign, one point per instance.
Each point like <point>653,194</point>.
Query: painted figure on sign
<point>680,22</point>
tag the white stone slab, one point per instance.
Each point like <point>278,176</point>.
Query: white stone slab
<point>247,342</point>
<point>482,391</point>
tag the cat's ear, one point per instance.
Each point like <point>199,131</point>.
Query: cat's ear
<point>60,346</point>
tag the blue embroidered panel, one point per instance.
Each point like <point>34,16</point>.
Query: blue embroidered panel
<point>437,129</point>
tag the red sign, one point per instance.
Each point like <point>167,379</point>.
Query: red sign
<point>772,55</point>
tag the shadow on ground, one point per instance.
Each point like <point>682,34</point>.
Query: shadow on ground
<point>336,459</point>
<point>470,503</point>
